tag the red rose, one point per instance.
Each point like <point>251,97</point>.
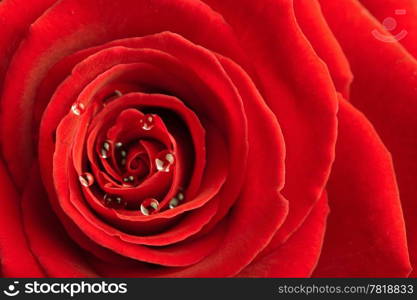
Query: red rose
<point>187,138</point>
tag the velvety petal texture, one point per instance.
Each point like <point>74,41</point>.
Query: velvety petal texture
<point>387,98</point>
<point>365,207</point>
<point>207,138</point>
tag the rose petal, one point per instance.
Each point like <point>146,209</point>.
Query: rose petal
<point>15,19</point>
<point>211,183</point>
<point>386,98</point>
<point>298,256</point>
<point>314,26</point>
<point>17,259</point>
<point>238,158</point>
<point>70,26</point>
<point>303,99</point>
<point>58,254</point>
<point>365,234</point>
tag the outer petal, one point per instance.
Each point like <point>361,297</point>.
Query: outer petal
<point>365,233</point>
<point>58,255</point>
<point>15,20</point>
<point>299,255</point>
<point>314,26</point>
<point>385,91</point>
<point>303,99</point>
<point>16,257</point>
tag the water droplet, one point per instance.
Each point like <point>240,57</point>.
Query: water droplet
<point>118,93</point>
<point>129,179</point>
<point>180,196</point>
<point>164,161</point>
<point>173,203</point>
<point>107,200</point>
<point>77,108</point>
<point>147,122</point>
<point>86,179</point>
<point>149,206</point>
<point>123,153</point>
<point>106,146</point>
<point>115,202</point>
<point>104,154</point>
<point>170,158</point>
<point>119,145</point>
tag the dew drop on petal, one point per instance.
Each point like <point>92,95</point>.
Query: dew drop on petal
<point>164,161</point>
<point>86,179</point>
<point>173,203</point>
<point>149,206</point>
<point>104,154</point>
<point>106,146</point>
<point>107,200</point>
<point>180,196</point>
<point>147,122</point>
<point>115,202</point>
<point>170,158</point>
<point>118,200</point>
<point>77,108</point>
